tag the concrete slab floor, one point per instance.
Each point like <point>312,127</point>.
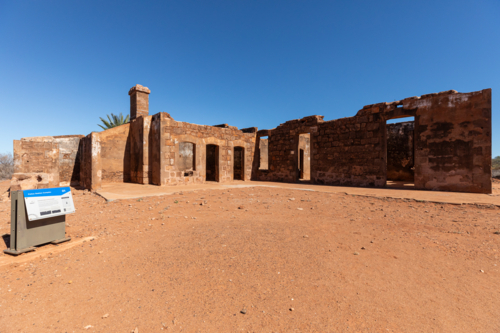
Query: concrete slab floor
<point>116,191</point>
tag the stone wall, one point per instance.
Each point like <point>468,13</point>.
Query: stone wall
<point>225,138</point>
<point>46,161</point>
<point>400,151</point>
<point>452,145</point>
<point>36,163</point>
<point>452,148</point>
<point>453,141</point>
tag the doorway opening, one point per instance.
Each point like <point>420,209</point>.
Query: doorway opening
<point>239,163</point>
<point>400,138</point>
<point>264,153</point>
<point>304,157</point>
<point>212,165</point>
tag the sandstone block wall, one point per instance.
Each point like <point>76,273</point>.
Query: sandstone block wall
<point>452,144</point>
<point>451,148</point>
<point>226,138</point>
<point>42,162</point>
<point>453,141</point>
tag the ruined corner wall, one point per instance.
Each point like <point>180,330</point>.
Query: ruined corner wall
<point>105,157</point>
<point>42,162</point>
<point>225,138</point>
<point>36,163</point>
<point>453,141</point>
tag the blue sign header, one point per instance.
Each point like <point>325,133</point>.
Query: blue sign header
<point>46,192</point>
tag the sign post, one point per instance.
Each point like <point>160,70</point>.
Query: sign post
<point>38,217</point>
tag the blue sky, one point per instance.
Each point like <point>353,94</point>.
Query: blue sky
<point>63,64</point>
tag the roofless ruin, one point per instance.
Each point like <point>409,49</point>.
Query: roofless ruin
<point>446,148</point>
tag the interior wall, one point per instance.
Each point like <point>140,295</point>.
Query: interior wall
<point>69,159</point>
<point>115,154</point>
<point>264,154</point>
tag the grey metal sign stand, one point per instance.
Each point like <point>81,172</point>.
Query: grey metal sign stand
<point>25,234</point>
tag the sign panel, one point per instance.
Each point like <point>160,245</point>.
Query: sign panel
<point>48,202</point>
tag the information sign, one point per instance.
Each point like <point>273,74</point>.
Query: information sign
<point>48,202</point>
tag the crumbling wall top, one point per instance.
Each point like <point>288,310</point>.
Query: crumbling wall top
<point>39,139</point>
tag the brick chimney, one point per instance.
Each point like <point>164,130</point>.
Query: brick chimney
<point>139,101</point>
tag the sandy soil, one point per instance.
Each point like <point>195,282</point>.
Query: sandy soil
<point>260,260</point>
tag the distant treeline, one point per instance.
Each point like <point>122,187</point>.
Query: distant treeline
<point>495,163</point>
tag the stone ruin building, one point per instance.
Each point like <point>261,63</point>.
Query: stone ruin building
<point>446,148</point>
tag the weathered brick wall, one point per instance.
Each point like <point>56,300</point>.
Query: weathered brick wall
<point>226,138</point>
<point>115,154</point>
<point>400,151</point>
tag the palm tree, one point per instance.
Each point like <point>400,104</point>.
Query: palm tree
<point>113,121</point>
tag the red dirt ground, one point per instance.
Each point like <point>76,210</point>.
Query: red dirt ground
<point>292,261</point>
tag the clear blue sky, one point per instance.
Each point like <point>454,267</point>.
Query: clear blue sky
<point>247,63</point>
